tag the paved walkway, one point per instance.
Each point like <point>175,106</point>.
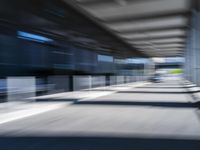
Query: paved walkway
<point>11,111</point>
<point>159,116</point>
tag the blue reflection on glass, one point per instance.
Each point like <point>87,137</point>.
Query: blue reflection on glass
<point>32,37</point>
<point>105,58</point>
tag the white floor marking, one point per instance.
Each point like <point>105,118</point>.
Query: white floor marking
<point>38,108</point>
<point>19,114</point>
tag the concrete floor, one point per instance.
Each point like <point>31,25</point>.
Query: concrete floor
<point>159,116</point>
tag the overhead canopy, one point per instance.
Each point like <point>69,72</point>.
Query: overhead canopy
<point>60,25</point>
<point>157,28</point>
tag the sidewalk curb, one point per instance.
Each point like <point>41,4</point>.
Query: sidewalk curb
<point>193,90</point>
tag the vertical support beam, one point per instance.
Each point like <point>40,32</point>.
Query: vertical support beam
<point>192,52</point>
<point>107,80</point>
<point>71,83</point>
<point>198,48</point>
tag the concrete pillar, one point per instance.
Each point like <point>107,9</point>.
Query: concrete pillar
<point>198,49</point>
<point>192,52</point>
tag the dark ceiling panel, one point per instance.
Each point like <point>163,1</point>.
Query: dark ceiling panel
<point>62,22</point>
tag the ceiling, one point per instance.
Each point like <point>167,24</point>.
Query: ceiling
<point>66,26</point>
<point>157,28</point>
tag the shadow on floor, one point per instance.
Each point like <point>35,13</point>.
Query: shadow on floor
<point>139,103</point>
<point>165,87</point>
<point>96,143</point>
<point>160,92</point>
<point>99,90</point>
<point>56,100</point>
